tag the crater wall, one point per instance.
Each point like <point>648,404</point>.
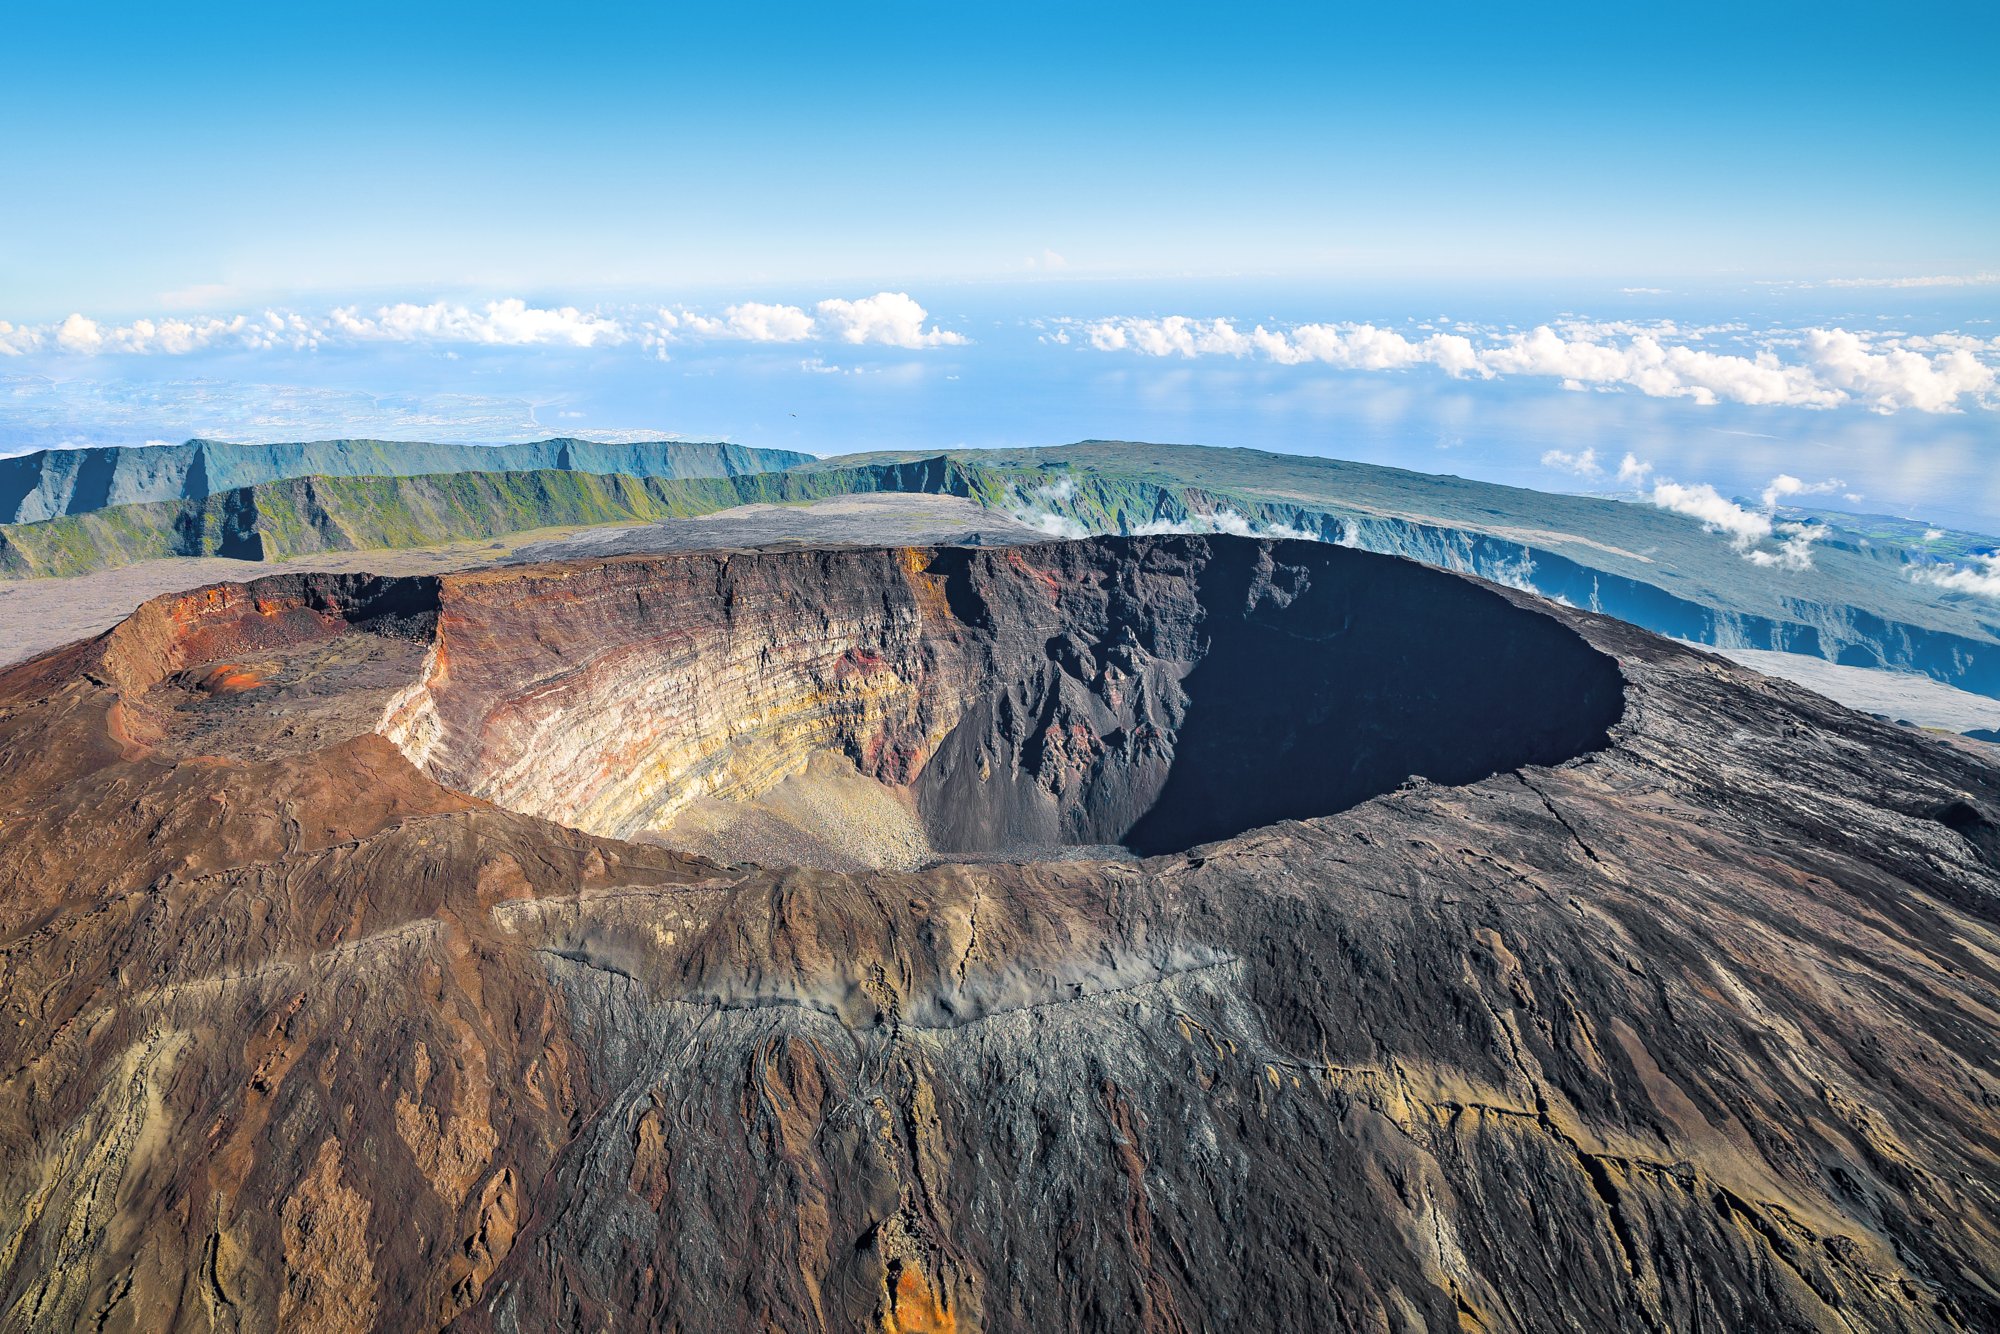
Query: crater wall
<point>1152,692</point>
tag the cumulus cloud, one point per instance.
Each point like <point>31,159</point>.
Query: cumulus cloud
<point>1981,577</point>
<point>1658,369</point>
<point>18,340</point>
<point>82,336</point>
<point>751,321</point>
<point>1794,547</point>
<point>1747,529</point>
<point>78,334</point>
<point>1784,486</point>
<point>892,318</point>
<point>1632,471</point>
<point>1657,358</point>
<point>1348,346</point>
<point>1897,377</point>
<point>509,323</point>
<point>1716,512</point>
<point>1176,335</point>
<point>1583,464</point>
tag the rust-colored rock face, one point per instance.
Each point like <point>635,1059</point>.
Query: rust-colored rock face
<point>1132,934</point>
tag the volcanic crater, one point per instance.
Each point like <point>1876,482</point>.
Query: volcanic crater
<point>867,709</point>
<point>1155,934</point>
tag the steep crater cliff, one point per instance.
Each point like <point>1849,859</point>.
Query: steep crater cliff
<point>882,707</point>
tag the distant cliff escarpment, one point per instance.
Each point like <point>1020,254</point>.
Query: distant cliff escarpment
<point>53,482</point>
<point>303,516</point>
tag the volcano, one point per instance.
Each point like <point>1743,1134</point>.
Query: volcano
<point>1135,933</point>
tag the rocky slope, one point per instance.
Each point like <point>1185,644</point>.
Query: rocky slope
<point>53,482</point>
<point>1664,999</point>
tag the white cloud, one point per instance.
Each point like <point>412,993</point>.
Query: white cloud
<point>1785,485</point>
<point>509,323</point>
<point>1747,528</point>
<point>1982,577</point>
<point>1794,547</point>
<point>1034,509</point>
<point>176,337</point>
<point>1348,346</point>
<point>1657,358</point>
<point>1176,335</point>
<point>1933,534</point>
<point>1221,521</point>
<point>80,335</point>
<point>1055,525</point>
<point>1934,280</point>
<point>1657,369</point>
<point>1632,472</point>
<point>751,321</point>
<point>1716,513</point>
<point>765,323</point>
<point>890,318</point>
<point>1898,377</point>
<point>18,340</point>
<point>893,318</point>
<point>1583,464</point>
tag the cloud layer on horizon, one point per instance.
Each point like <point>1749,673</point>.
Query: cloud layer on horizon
<point>1818,367</point>
<point>1829,367</point>
<point>891,319</point>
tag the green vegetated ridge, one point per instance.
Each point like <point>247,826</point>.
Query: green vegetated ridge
<point>52,482</point>
<point>300,516</point>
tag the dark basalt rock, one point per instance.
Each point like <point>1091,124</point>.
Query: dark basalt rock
<point>1662,997</point>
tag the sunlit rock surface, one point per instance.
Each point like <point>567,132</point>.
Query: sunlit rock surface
<point>1233,935</point>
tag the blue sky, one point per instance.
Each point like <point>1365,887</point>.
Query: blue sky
<point>1731,240</point>
<point>258,151</point>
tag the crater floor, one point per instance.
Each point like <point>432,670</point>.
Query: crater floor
<point>1128,934</point>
